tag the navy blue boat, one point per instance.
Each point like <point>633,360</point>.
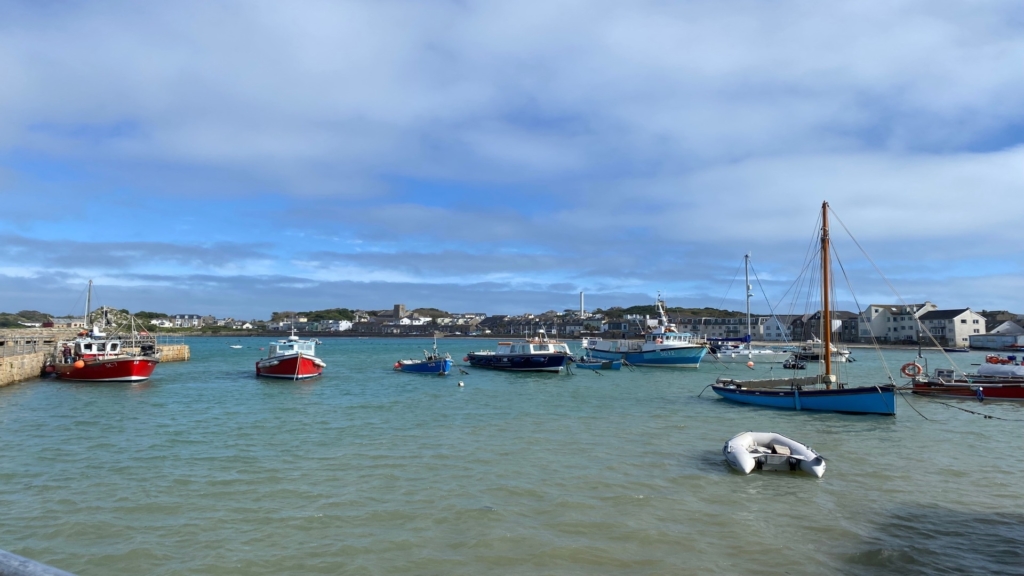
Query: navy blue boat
<point>432,363</point>
<point>536,355</point>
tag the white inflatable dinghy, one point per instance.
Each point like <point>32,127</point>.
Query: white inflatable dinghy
<point>748,451</point>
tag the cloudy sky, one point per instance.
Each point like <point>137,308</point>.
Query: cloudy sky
<point>240,157</point>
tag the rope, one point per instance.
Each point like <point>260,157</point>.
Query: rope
<point>298,363</point>
<point>705,388</point>
<point>902,395</point>
<point>974,412</point>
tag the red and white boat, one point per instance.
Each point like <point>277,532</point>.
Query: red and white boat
<point>292,359</point>
<point>92,357</point>
<point>997,379</point>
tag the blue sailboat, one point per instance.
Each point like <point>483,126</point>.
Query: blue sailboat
<point>432,363</point>
<point>824,392</point>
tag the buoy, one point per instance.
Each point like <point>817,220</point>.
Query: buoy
<point>465,358</point>
<point>398,365</point>
<point>461,384</point>
<point>79,364</point>
<point>750,365</point>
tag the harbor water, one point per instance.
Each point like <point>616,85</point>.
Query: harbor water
<point>207,470</point>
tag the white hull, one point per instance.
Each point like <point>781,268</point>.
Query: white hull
<point>768,451</point>
<point>744,356</point>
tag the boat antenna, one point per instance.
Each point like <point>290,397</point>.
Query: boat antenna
<point>88,304</point>
<point>826,312</point>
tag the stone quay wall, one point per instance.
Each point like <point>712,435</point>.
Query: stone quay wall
<point>21,367</point>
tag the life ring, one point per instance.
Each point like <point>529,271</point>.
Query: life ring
<point>911,370</point>
<point>659,341</point>
<point>991,359</point>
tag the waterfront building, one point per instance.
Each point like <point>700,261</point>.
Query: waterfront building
<point>1007,335</point>
<point>188,321</point>
<point>953,327</point>
<point>892,322</point>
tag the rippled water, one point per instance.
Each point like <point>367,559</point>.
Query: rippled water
<point>207,470</point>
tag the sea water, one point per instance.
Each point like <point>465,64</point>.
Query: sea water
<point>205,469</point>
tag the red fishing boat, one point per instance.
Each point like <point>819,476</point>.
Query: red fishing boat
<point>994,380</point>
<point>94,357</point>
<point>292,359</point>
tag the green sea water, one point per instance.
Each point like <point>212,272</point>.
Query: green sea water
<point>207,470</point>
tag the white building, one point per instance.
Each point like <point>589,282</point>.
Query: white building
<point>335,325</point>
<point>893,322</point>
<point>162,323</point>
<point>188,321</point>
<point>1006,335</point>
<point>953,327</point>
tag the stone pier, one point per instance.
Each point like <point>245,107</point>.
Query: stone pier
<point>21,367</point>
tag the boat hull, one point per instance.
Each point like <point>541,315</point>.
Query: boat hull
<point>518,362</point>
<point>850,400</point>
<point>744,356</point>
<point>677,357</point>
<point>600,365</point>
<point>125,369</point>
<point>442,366</point>
<point>291,367</point>
<point>988,391</point>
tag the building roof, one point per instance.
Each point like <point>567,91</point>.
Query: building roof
<point>943,314</point>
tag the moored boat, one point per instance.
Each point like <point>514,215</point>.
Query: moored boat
<point>538,354</point>
<point>749,451</point>
<point>291,359</point>
<point>825,391</point>
<point>740,350</point>
<point>992,381</point>
<point>663,346</point>
<point>95,357</point>
<point>432,363</point>
<point>594,364</point>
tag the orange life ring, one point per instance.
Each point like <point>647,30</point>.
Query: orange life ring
<point>659,341</point>
<point>990,359</point>
<point>911,370</point>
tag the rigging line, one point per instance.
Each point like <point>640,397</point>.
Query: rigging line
<point>894,291</point>
<point>770,308</point>
<point>702,391</point>
<point>734,276</point>
<point>874,342</point>
<point>911,405</point>
<point>974,412</point>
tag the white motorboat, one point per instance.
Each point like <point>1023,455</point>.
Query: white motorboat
<point>739,350</point>
<point>748,451</point>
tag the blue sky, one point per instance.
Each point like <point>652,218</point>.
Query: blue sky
<point>237,158</point>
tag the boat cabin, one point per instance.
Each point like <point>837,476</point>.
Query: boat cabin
<point>669,337</point>
<point>287,347</point>
<point>92,348</point>
<point>510,348</point>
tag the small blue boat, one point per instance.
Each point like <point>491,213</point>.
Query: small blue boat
<point>593,364</point>
<point>432,363</point>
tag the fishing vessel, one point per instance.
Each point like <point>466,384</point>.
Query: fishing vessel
<point>739,350</point>
<point>291,359</point>
<point>662,346</point>
<point>432,363</point>
<point>999,378</point>
<point>94,357</point>
<point>538,354</point>
<point>824,391</point>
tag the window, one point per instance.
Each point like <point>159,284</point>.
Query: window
<point>963,321</point>
<point>977,331</point>
<point>974,321</point>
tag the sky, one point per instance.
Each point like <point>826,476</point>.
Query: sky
<point>241,157</point>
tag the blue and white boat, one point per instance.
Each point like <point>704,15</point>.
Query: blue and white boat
<point>538,354</point>
<point>663,346</point>
<point>823,392</point>
<point>593,364</point>
<point>432,363</point>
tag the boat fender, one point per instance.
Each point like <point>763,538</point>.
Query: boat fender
<point>465,358</point>
<point>980,393</point>
<point>398,365</point>
<point>911,370</point>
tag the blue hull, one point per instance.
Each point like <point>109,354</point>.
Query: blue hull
<point>518,362</point>
<point>602,365</point>
<point>688,357</point>
<point>426,366</point>
<point>858,400</point>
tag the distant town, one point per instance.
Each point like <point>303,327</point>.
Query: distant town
<point>885,323</point>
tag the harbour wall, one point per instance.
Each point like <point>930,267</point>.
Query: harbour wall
<point>21,367</point>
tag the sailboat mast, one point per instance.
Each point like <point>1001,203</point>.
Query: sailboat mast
<point>826,312</point>
<point>88,304</point>
<point>746,284</point>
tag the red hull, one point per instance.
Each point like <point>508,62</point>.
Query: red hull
<point>124,369</point>
<point>970,391</point>
<point>291,367</point>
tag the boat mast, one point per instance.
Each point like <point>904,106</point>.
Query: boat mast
<point>88,304</point>
<point>746,282</point>
<point>826,312</point>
